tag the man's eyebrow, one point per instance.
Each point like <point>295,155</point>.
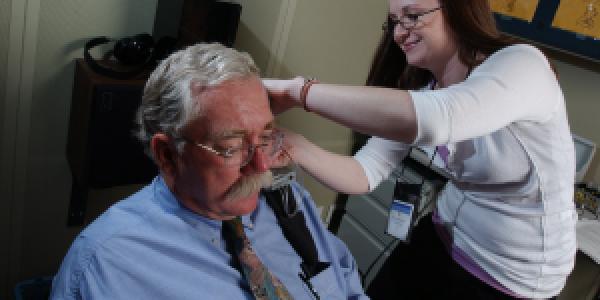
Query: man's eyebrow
<point>235,133</point>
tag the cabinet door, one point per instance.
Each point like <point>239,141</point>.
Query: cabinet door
<point>363,227</point>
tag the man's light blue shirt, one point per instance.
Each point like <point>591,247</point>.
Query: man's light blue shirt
<point>148,246</point>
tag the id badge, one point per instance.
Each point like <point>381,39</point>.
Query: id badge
<point>404,209</point>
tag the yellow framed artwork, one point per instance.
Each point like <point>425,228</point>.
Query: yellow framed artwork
<point>572,26</point>
<point>521,9</point>
<point>579,16</point>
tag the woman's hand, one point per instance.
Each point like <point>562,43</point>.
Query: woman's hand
<point>291,142</point>
<point>284,94</point>
<point>281,160</point>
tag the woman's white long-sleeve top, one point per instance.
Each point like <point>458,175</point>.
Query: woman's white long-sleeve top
<point>509,202</point>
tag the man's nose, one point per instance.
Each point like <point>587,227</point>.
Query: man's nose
<point>259,162</point>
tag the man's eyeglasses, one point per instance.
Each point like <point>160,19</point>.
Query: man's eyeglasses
<point>408,21</point>
<point>241,155</point>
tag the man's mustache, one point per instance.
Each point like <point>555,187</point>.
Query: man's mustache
<point>247,185</point>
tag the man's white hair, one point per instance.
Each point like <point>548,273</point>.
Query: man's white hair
<point>167,103</point>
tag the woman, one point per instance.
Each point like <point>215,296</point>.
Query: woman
<point>448,78</point>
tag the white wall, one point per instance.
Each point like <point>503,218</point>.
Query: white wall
<point>5,9</point>
<point>55,32</point>
<point>580,81</point>
<point>63,28</point>
<point>261,27</point>
<point>332,40</point>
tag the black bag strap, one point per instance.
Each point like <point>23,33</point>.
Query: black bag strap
<point>292,223</point>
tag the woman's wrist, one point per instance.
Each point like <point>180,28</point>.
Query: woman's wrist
<point>306,85</point>
<point>295,90</point>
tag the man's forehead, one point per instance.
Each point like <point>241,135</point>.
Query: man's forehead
<point>234,108</point>
<point>241,94</point>
<point>199,87</point>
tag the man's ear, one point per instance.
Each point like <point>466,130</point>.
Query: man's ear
<point>165,155</point>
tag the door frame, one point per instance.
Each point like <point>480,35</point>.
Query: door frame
<point>22,46</point>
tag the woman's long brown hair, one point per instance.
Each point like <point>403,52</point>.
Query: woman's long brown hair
<point>474,29</point>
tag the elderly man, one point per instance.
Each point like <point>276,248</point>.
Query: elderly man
<point>206,122</point>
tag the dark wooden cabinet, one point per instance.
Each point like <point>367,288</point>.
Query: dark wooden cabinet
<point>101,149</point>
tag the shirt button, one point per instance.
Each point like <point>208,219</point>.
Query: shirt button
<point>250,225</point>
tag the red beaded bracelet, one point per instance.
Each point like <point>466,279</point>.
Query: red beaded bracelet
<point>304,91</point>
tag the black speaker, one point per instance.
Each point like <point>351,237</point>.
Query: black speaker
<point>198,21</point>
<point>101,149</point>
<point>222,22</point>
<point>116,157</point>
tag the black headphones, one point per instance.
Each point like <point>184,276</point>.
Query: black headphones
<point>134,53</point>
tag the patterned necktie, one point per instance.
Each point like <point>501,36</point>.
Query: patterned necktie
<point>263,284</point>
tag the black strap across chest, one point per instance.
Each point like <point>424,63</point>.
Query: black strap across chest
<point>292,223</point>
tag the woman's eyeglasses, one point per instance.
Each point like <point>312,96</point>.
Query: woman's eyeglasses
<point>408,21</point>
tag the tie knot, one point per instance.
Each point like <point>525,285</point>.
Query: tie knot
<point>235,226</point>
